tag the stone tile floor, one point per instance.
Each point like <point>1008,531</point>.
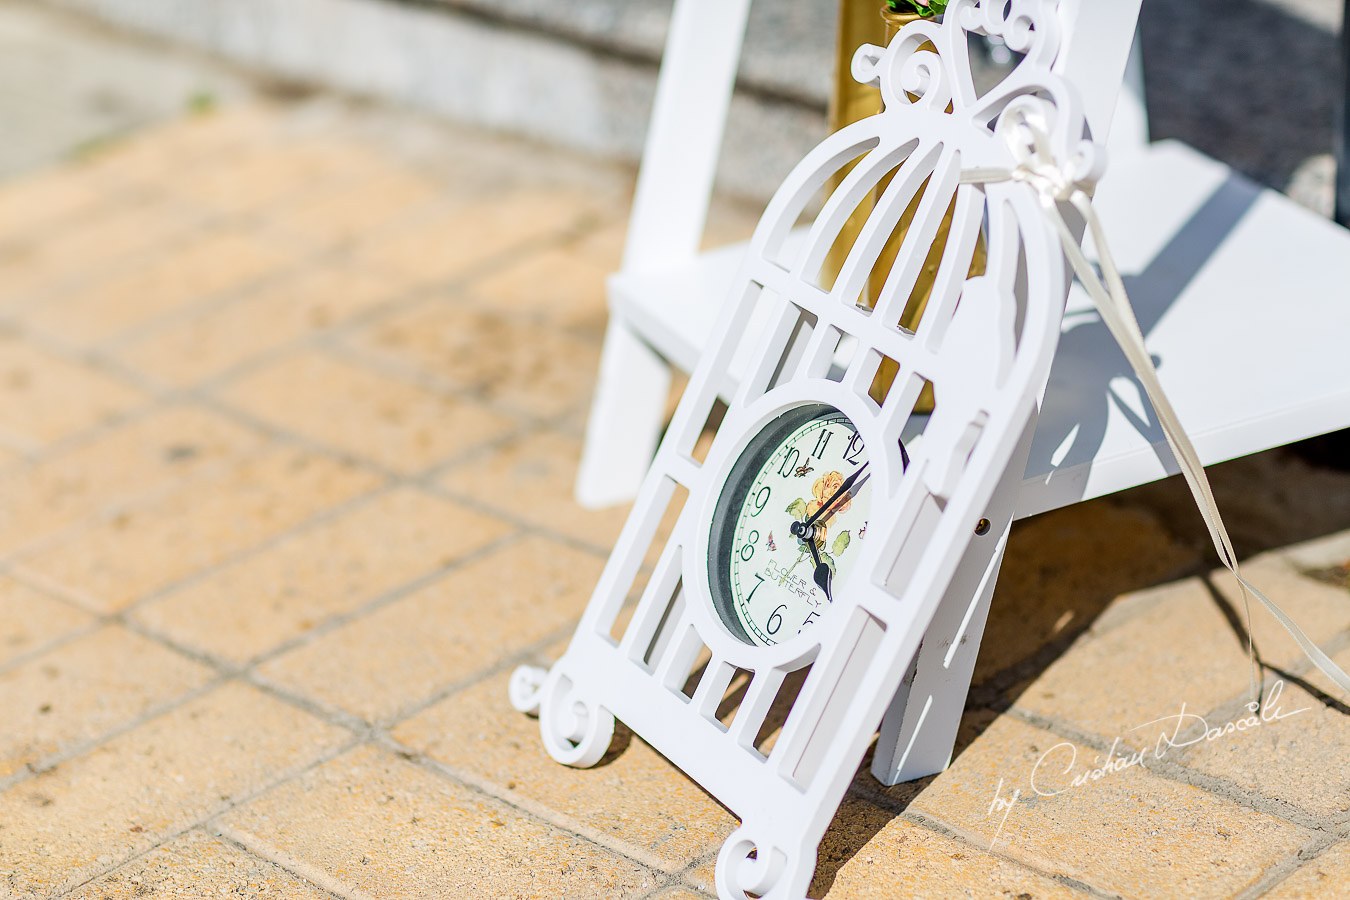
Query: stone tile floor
<point>291,397</point>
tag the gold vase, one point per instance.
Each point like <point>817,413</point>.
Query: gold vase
<point>860,23</point>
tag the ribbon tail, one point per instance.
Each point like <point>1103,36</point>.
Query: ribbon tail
<point>1113,304</point>
<point>1324,663</point>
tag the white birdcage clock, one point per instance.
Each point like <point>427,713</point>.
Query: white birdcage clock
<point>828,517</point>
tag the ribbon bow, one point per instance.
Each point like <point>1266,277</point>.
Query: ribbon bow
<point>1054,184</point>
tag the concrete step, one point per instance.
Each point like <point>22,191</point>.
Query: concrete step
<point>1252,84</point>
<point>581,73</point>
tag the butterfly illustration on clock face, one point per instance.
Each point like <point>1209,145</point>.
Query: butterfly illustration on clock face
<point>804,477</point>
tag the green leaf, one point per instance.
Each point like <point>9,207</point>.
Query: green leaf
<point>797,508</point>
<point>829,561</point>
<point>841,543</point>
<point>932,8</point>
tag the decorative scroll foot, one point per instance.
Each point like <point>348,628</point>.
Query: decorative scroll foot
<point>773,873</point>
<point>526,688</point>
<point>576,730</point>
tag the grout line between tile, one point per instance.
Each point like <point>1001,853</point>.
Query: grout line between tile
<point>284,861</point>
<point>1286,867</point>
<point>202,822</point>
<point>380,601</point>
<point>951,832</point>
<point>48,763</point>
<point>540,815</point>
<point>56,643</point>
<point>281,861</point>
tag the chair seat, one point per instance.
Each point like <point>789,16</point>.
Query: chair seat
<point>1243,295</point>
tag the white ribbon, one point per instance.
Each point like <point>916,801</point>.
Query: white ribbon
<point>1040,169</point>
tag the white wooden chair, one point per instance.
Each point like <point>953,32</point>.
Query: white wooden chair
<point>1209,253</point>
<point>1221,272</point>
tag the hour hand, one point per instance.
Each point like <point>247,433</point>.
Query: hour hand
<point>822,573</point>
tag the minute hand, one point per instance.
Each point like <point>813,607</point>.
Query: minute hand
<point>843,489</point>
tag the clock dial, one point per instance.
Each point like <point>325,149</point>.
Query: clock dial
<point>769,581</point>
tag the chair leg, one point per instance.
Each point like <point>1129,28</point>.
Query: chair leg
<point>625,419</point>
<point>919,729</point>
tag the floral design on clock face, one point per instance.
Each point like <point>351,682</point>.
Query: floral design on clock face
<point>795,531</point>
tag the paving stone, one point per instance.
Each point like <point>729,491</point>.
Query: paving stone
<point>29,204</point>
<point>1269,500</point>
<point>168,446</point>
<point>271,176</point>
<point>1129,832</point>
<point>531,477</point>
<point>85,688</point>
<point>188,351</point>
<point>869,852</point>
<point>391,422</point>
<point>1321,553</point>
<point>885,857</point>
<point>1320,879</point>
<point>39,264</point>
<point>1320,609</point>
<point>401,654</point>
<point>10,457</point>
<point>497,357</point>
<point>1063,567</point>
<point>383,827</point>
<point>177,148</point>
<point>196,865</point>
<point>44,398</point>
<point>468,236</point>
<point>1299,754</point>
<point>210,264</point>
<point>562,285</point>
<point>679,893</point>
<point>1180,650</point>
<point>30,620</point>
<point>127,795</point>
<point>636,797</point>
<point>245,610</point>
<point>347,215</point>
<point>703,877</point>
<point>112,564</point>
<point>604,245</point>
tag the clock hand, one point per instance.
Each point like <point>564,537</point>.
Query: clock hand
<point>822,573</point>
<point>834,498</point>
<point>803,529</point>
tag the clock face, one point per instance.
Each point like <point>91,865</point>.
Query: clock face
<point>789,525</point>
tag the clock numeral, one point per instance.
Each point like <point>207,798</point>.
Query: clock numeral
<point>789,463</point>
<point>748,548</point>
<point>761,499</point>
<point>821,442</point>
<point>775,619</point>
<point>753,589</point>
<point>854,448</point>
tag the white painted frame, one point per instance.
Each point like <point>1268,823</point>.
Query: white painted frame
<point>985,343</point>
